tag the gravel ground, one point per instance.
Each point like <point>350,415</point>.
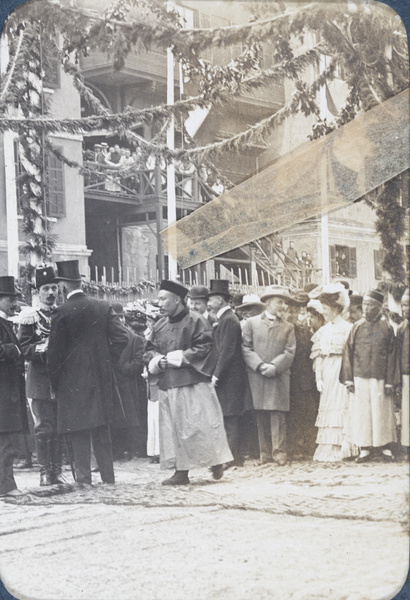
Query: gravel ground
<point>304,531</point>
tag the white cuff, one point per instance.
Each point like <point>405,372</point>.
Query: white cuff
<point>153,366</point>
<point>175,358</point>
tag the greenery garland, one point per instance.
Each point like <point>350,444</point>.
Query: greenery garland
<point>371,74</point>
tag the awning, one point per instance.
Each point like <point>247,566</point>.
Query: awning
<point>318,177</point>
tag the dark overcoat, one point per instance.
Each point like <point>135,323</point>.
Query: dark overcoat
<point>13,412</point>
<point>230,367</point>
<point>128,368</point>
<point>85,336</point>
<point>34,329</point>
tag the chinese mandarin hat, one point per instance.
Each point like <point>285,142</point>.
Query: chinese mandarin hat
<point>175,287</point>
<point>375,295</point>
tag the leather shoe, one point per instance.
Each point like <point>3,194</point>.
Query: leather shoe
<point>45,477</point>
<point>280,458</point>
<point>217,471</point>
<point>14,493</point>
<point>178,478</point>
<point>363,459</point>
<point>388,458</point>
<point>58,478</point>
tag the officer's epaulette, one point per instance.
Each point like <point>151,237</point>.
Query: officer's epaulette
<point>28,316</point>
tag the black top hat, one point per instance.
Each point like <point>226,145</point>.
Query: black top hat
<point>220,287</point>
<point>199,292</point>
<point>7,286</point>
<point>175,287</point>
<point>44,276</point>
<point>68,271</point>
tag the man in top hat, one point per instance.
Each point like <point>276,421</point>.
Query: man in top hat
<point>198,301</point>
<point>86,335</point>
<point>229,375</point>
<point>369,372</point>
<point>33,334</point>
<point>13,415</point>
<point>304,397</point>
<point>269,348</point>
<point>191,429</point>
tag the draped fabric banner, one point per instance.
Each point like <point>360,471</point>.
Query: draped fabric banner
<point>318,177</point>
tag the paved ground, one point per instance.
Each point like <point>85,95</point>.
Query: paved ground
<point>305,531</point>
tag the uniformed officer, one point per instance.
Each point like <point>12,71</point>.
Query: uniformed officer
<point>33,334</point>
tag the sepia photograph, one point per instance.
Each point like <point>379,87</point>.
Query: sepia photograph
<point>204,300</point>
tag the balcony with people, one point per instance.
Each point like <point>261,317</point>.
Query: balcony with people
<point>119,174</point>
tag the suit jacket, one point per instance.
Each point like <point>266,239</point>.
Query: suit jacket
<point>370,352</point>
<point>230,368</point>
<point>270,342</point>
<point>128,368</point>
<point>13,412</point>
<point>34,329</point>
<point>85,336</point>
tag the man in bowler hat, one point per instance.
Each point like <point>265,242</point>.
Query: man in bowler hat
<point>33,335</point>
<point>85,336</point>
<point>13,415</point>
<point>198,301</point>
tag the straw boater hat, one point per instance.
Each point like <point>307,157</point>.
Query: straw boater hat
<point>199,292</point>
<point>250,300</point>
<point>275,291</point>
<point>220,287</point>
<point>44,276</point>
<point>175,287</point>
<point>7,286</point>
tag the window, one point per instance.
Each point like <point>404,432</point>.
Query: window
<point>378,263</point>
<point>343,262</point>
<point>55,197</point>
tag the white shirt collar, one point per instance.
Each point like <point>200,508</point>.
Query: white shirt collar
<point>4,316</point>
<point>270,317</point>
<point>206,314</point>
<point>221,311</point>
<point>74,292</point>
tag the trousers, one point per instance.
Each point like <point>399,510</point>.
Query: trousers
<point>271,431</point>
<point>7,452</point>
<point>81,446</point>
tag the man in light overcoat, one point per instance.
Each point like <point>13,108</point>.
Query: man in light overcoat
<point>268,347</point>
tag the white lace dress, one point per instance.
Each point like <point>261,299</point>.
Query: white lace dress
<point>328,343</point>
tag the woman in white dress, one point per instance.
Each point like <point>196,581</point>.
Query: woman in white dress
<point>328,343</point>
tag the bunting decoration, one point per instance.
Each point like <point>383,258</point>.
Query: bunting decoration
<point>351,38</point>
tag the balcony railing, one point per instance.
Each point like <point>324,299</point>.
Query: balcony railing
<point>139,184</point>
